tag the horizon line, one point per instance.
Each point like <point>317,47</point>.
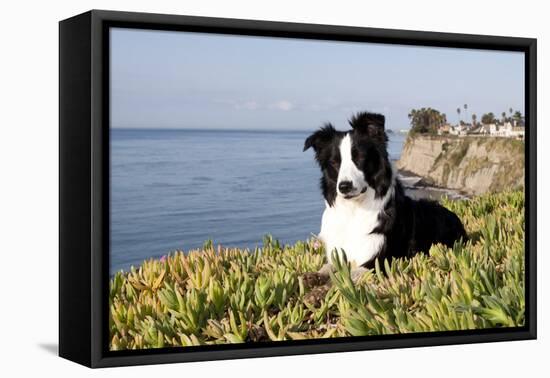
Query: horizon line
<point>224,129</point>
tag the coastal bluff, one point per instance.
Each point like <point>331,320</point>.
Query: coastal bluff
<point>472,164</point>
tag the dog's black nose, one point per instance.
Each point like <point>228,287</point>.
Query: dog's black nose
<point>345,187</point>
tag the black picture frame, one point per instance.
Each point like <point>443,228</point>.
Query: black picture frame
<point>84,194</point>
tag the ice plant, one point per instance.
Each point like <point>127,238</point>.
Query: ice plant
<point>218,295</point>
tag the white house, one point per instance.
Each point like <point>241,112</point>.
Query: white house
<point>458,130</point>
<point>507,130</point>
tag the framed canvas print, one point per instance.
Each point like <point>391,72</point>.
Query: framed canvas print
<point>235,188</point>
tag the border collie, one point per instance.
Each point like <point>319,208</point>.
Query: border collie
<point>367,212</point>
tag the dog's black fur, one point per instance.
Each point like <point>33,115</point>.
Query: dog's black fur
<point>409,226</point>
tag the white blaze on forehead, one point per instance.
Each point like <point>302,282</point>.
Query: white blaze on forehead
<point>348,169</point>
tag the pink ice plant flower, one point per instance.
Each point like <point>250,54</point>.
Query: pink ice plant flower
<point>316,243</point>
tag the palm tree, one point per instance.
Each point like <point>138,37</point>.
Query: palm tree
<point>503,117</point>
<point>517,117</point>
<point>511,111</point>
<point>458,112</point>
<point>474,117</point>
<point>466,110</point>
<point>488,118</point>
<point>426,120</point>
<point>412,115</point>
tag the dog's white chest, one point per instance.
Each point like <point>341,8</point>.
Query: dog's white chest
<point>349,228</point>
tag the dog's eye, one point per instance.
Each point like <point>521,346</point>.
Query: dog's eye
<point>334,162</point>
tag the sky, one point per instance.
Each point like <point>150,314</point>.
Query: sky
<point>171,79</point>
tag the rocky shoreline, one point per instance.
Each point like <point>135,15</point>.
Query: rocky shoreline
<point>417,188</point>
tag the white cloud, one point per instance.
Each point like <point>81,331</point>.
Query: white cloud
<point>283,105</point>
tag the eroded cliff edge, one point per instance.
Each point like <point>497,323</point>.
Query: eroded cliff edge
<point>472,165</point>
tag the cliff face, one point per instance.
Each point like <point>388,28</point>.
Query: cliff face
<point>473,165</point>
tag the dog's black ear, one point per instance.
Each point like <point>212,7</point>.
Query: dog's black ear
<point>370,123</point>
<point>321,137</point>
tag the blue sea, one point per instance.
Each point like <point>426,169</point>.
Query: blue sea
<point>175,189</point>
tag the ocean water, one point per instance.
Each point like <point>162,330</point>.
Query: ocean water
<point>175,189</point>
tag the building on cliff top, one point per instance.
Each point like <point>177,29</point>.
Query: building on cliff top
<point>507,130</point>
